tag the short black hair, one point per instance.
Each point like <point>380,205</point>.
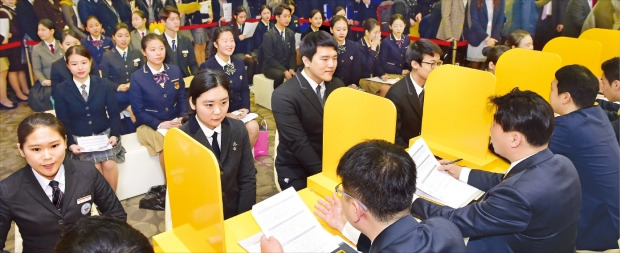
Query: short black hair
<point>579,82</point>
<point>166,11</point>
<point>381,175</point>
<point>525,112</point>
<point>93,234</point>
<point>493,54</point>
<point>417,50</point>
<point>277,11</point>
<point>313,40</point>
<point>611,69</point>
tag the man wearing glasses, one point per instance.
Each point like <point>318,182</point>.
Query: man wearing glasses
<point>378,182</point>
<point>408,93</point>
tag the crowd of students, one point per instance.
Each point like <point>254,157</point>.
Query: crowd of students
<point>100,69</point>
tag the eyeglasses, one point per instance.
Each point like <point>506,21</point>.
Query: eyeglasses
<point>434,64</point>
<point>338,190</point>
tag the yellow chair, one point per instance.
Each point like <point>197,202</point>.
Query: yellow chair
<point>577,51</point>
<point>195,191</point>
<point>350,117</point>
<point>457,118</point>
<point>526,69</point>
<point>609,39</point>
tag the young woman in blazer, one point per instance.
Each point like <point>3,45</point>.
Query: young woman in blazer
<point>44,55</point>
<point>118,63</point>
<point>349,53</point>
<point>243,45</point>
<point>369,46</point>
<point>87,106</point>
<point>28,198</point>
<point>487,20</point>
<point>221,51</point>
<point>96,42</point>
<point>140,25</point>
<point>60,72</point>
<point>158,98</point>
<point>316,21</point>
<point>208,97</point>
<point>391,62</point>
<point>263,26</point>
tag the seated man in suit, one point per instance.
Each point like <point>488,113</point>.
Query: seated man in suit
<point>610,86</point>
<point>298,110</point>
<point>179,49</point>
<point>582,133</point>
<point>408,93</point>
<point>378,182</point>
<point>534,207</point>
<point>277,53</point>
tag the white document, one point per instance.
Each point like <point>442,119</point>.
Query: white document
<point>378,79</point>
<point>248,117</point>
<point>93,143</point>
<point>439,185</point>
<point>286,217</point>
<point>227,7</point>
<point>205,7</point>
<point>252,243</point>
<point>249,29</point>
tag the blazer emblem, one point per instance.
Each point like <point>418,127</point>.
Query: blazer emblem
<point>176,85</point>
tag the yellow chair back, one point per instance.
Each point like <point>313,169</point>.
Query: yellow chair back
<point>350,117</point>
<point>526,69</point>
<point>609,39</point>
<point>577,51</point>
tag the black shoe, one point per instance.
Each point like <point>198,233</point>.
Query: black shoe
<point>22,100</point>
<point>153,201</point>
<point>4,107</point>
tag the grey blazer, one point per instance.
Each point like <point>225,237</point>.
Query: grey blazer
<point>136,39</point>
<point>71,19</point>
<point>42,59</point>
<point>452,19</point>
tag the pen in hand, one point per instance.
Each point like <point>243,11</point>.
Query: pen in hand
<point>453,161</point>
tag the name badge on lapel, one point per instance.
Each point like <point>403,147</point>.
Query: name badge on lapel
<point>136,61</point>
<point>84,199</point>
<point>185,52</point>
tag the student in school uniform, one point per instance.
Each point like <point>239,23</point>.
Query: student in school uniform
<point>179,48</point>
<point>16,69</point>
<point>277,52</point>
<point>112,12</point>
<point>225,136</point>
<point>349,53</point>
<point>369,46</point>
<point>87,106</point>
<point>158,98</point>
<point>44,55</point>
<point>316,21</point>
<point>392,55</point>
<point>120,62</point>
<point>264,25</point>
<point>140,25</point>
<point>96,42</point>
<point>222,59</point>
<point>243,45</point>
<point>60,72</point>
<point>50,190</point>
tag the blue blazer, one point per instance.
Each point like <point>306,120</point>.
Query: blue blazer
<point>184,57</point>
<point>350,63</point>
<point>241,46</point>
<point>259,33</point>
<point>477,32</point>
<point>97,53</point>
<point>85,118</point>
<point>117,70</point>
<point>239,93</point>
<point>364,13</point>
<point>153,104</point>
<point>534,209</point>
<point>524,17</point>
<point>392,57</point>
<point>584,136</point>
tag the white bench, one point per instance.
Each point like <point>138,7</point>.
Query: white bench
<point>262,87</point>
<point>139,172</point>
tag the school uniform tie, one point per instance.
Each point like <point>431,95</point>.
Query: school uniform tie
<point>318,95</point>
<point>215,145</point>
<point>52,48</point>
<point>142,34</point>
<point>124,56</point>
<point>421,98</point>
<point>56,194</point>
<point>174,45</point>
<point>84,93</point>
<point>282,36</point>
<point>229,69</point>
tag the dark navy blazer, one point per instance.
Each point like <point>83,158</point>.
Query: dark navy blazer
<point>277,55</point>
<point>391,56</point>
<point>259,33</point>
<point>534,209</point>
<point>117,70</point>
<point>239,89</point>
<point>97,53</point>
<point>153,104</point>
<point>350,63</point>
<point>184,57</point>
<point>369,60</point>
<point>479,18</point>
<point>585,137</point>
<point>242,46</point>
<point>85,118</point>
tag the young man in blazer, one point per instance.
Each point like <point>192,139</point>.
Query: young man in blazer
<point>408,94</point>
<point>534,206</point>
<point>179,49</point>
<point>277,52</point>
<point>298,110</point>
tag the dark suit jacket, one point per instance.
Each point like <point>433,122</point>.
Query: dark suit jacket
<point>84,118</point>
<point>238,173</point>
<point>611,110</point>
<point>40,223</point>
<point>299,118</point>
<point>575,15</point>
<point>477,32</point>
<point>392,57</point>
<point>143,6</point>
<point>584,137</point>
<point>277,55</point>
<point>259,34</point>
<point>70,18</point>
<point>110,16</point>
<point>27,19</point>
<point>408,110</point>
<point>117,70</point>
<point>350,63</point>
<point>153,104</point>
<point>369,60</point>
<point>44,9</point>
<point>183,57</point>
<point>558,10</point>
<point>407,235</point>
<point>534,209</point>
<point>61,73</point>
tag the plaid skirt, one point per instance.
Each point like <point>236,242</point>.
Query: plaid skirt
<point>116,153</point>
